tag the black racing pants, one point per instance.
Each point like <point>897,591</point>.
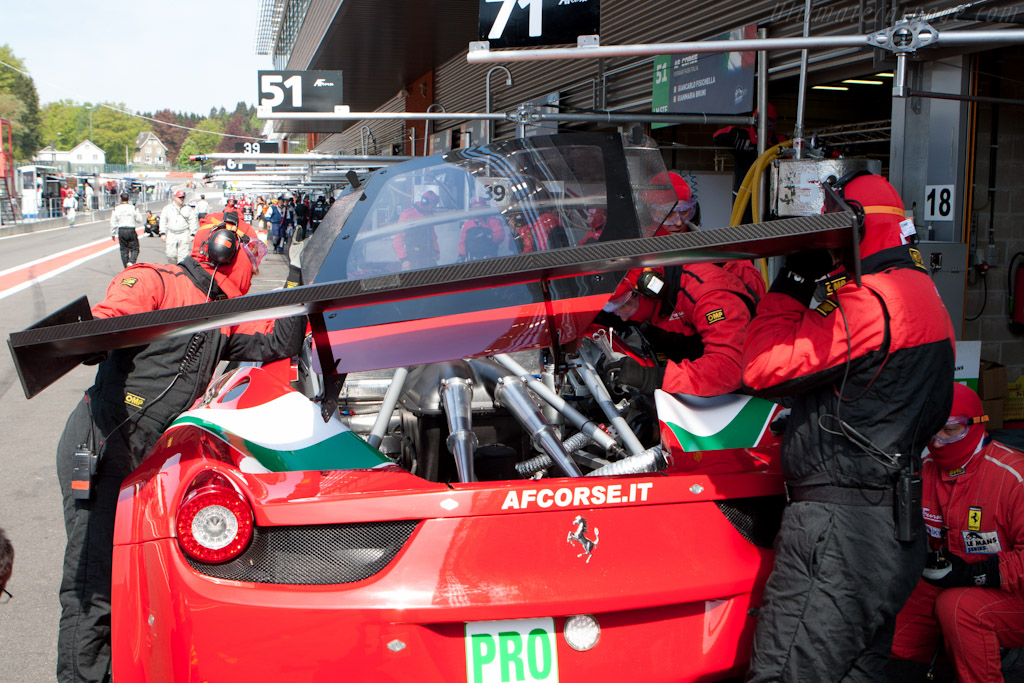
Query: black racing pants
<point>83,644</point>
<point>129,241</point>
<point>830,604</point>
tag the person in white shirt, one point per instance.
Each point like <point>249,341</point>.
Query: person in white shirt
<point>178,224</point>
<point>70,207</point>
<point>124,221</point>
<point>202,207</point>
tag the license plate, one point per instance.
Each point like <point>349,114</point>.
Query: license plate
<point>511,651</point>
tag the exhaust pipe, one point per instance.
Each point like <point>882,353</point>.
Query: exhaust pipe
<point>651,460</point>
<point>457,395</point>
<point>511,392</point>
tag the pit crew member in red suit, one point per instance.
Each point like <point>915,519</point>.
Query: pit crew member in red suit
<point>542,234</point>
<point>869,376</point>
<point>685,216</point>
<point>418,248</point>
<point>742,142</point>
<point>138,391</point>
<point>972,594</point>
<point>481,235</point>
<point>596,220</point>
<point>698,316</point>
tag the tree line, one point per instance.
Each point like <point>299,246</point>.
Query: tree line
<point>66,123</point>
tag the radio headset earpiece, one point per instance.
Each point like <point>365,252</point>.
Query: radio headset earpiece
<point>858,209</point>
<point>650,284</point>
<point>221,247</point>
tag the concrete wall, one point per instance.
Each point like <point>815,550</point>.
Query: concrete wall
<point>1003,218</point>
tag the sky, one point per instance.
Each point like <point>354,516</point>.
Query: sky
<point>183,55</point>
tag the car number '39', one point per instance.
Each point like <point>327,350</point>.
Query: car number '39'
<point>511,651</point>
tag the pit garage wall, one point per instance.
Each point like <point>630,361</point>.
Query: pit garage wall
<point>1004,217</point>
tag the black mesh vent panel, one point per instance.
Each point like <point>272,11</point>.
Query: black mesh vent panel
<point>314,555</point>
<point>757,519</point>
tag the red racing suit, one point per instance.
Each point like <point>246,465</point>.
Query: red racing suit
<point>977,510</point>
<point>419,245</point>
<point>706,303</point>
<point>874,361</point>
<point>485,236</point>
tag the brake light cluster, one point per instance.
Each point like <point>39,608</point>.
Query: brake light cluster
<point>215,521</point>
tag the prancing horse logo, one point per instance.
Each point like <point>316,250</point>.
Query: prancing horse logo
<point>580,536</point>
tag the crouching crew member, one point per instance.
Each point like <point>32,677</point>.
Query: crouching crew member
<point>972,597</point>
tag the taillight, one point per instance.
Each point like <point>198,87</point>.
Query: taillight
<point>215,521</point>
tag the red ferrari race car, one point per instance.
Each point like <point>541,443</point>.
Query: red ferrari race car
<point>449,490</point>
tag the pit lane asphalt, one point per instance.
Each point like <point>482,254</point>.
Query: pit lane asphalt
<point>30,502</point>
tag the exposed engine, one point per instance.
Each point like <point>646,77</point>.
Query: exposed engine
<point>490,419</point>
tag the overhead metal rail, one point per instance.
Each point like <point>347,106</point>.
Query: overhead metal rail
<point>888,39</point>
<point>904,37</point>
<point>301,158</point>
<point>523,115</point>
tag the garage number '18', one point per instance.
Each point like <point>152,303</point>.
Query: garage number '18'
<point>511,651</point>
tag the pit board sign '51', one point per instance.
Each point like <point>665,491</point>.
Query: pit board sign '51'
<point>300,91</point>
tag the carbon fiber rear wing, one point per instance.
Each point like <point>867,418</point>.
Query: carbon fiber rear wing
<point>52,347</point>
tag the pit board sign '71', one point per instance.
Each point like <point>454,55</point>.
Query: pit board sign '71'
<point>519,23</point>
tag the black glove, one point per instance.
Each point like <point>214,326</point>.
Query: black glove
<point>947,570</point>
<point>801,270</point>
<point>95,358</point>
<point>627,372</point>
<point>810,265</point>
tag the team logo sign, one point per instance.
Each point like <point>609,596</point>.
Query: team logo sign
<point>579,535</point>
<point>715,316</point>
<point>982,542</point>
<point>974,519</point>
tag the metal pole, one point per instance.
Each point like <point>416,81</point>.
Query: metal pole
<point>801,96</point>
<point>480,55</point>
<point>426,127</point>
<point>487,95</point>
<point>479,52</point>
<point>299,158</point>
<point>626,117</point>
<point>762,108</point>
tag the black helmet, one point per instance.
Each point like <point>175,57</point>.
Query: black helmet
<point>221,246</point>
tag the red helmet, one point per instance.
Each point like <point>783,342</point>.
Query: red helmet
<point>636,296</point>
<point>955,443</point>
<point>883,211</point>
<point>681,187</point>
<point>769,112</point>
<point>597,218</point>
<point>180,194</point>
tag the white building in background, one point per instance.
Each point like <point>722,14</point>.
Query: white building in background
<point>149,151</point>
<point>85,156</point>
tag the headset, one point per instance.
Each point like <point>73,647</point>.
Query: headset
<point>838,188</point>
<point>221,247</point>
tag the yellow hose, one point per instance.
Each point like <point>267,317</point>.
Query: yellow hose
<point>749,187</point>
<point>752,181</point>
